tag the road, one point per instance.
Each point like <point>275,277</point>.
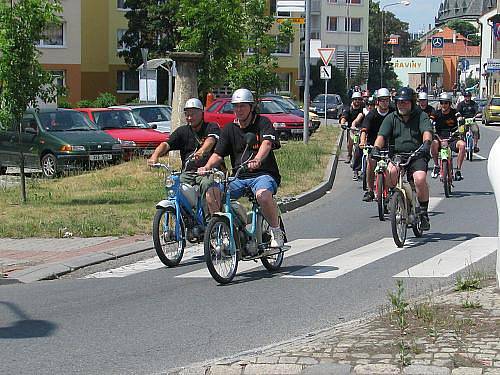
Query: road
<point>145,318</point>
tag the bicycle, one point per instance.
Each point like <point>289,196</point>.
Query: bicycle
<point>465,129</point>
<point>404,209</point>
<point>446,163</point>
<point>381,189</point>
<point>356,133</point>
<point>234,235</point>
<point>179,217</point>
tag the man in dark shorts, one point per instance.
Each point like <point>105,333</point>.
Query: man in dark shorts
<point>410,128</point>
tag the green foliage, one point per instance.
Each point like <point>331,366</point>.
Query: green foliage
<point>22,79</point>
<point>105,100</point>
<point>465,28</point>
<point>85,103</point>
<point>63,103</point>
<point>256,71</point>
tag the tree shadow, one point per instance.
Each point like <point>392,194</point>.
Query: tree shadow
<point>24,327</point>
<point>460,194</point>
<point>437,237</point>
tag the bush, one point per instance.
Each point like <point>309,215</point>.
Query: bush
<point>105,100</point>
<point>63,103</point>
<point>85,103</point>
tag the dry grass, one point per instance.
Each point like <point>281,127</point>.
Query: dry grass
<point>119,200</point>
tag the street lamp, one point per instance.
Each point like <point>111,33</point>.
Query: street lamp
<point>402,2</point>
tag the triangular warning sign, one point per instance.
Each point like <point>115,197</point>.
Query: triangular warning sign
<point>326,54</point>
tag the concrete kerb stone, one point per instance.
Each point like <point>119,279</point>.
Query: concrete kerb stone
<point>41,272</point>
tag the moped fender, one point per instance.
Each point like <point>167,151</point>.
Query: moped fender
<point>233,245</point>
<point>165,204</point>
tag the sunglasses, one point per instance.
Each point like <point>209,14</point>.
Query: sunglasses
<point>444,103</point>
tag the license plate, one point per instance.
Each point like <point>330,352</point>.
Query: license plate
<point>297,131</point>
<point>100,157</point>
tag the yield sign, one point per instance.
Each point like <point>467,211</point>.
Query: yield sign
<point>326,54</point>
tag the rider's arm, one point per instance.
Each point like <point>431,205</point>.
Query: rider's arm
<point>379,142</point>
<point>264,150</point>
<point>358,120</point>
<point>161,150</point>
<point>214,161</point>
<point>206,147</point>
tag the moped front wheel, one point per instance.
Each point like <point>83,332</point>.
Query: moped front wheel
<point>221,264</point>
<point>398,216</point>
<point>168,236</point>
<point>272,263</point>
<point>446,179</point>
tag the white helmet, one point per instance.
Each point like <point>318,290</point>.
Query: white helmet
<point>193,103</point>
<point>422,96</point>
<point>383,93</point>
<point>445,97</point>
<point>356,95</point>
<point>242,96</point>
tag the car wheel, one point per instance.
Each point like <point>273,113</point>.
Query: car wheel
<point>49,166</point>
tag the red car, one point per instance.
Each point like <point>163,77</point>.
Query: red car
<point>134,133</point>
<point>286,124</point>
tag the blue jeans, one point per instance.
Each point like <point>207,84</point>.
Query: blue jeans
<point>237,187</point>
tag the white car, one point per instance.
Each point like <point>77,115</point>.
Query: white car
<point>155,114</point>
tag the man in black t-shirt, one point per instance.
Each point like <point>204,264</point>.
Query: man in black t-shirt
<point>468,108</point>
<point>353,118</point>
<point>369,131</point>
<point>195,141</point>
<point>263,176</point>
<point>423,103</point>
<point>445,123</point>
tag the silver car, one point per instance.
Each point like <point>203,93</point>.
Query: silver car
<point>155,114</point>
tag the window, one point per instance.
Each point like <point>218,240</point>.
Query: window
<point>355,24</point>
<point>273,10</point>
<point>127,81</point>
<point>53,36</point>
<point>331,23</point>
<point>282,49</point>
<point>121,46</point>
<point>120,4</point>
<point>284,82</point>
<point>59,78</point>
<point>355,1</point>
<point>29,121</point>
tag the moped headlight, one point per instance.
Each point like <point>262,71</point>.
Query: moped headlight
<point>219,177</point>
<point>171,193</point>
<point>169,181</point>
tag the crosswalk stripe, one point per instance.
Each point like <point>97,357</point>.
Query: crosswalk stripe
<point>454,259</point>
<point>297,246</point>
<point>433,202</point>
<point>350,261</point>
<point>480,157</point>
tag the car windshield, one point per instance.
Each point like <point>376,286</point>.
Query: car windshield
<point>283,103</point>
<point>118,119</point>
<point>292,103</point>
<point>270,107</point>
<point>495,101</point>
<point>154,114</point>
<point>65,121</point>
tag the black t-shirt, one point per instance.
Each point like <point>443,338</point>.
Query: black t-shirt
<point>468,110</point>
<point>232,143</point>
<point>187,141</point>
<point>445,123</point>
<point>429,109</point>
<point>371,124</point>
<point>351,113</point>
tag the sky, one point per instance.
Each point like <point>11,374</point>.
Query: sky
<point>419,14</point>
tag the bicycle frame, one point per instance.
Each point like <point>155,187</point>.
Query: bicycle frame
<point>381,168</point>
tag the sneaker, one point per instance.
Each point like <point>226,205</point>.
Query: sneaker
<point>424,221</point>
<point>435,171</point>
<point>458,176</point>
<point>355,176</point>
<point>476,149</point>
<point>369,196</point>
<point>348,160</point>
<point>277,239</point>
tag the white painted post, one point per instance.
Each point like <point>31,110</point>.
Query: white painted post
<point>494,175</point>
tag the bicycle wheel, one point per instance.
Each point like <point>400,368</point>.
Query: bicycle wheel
<point>398,217</point>
<point>169,242</point>
<point>416,226</point>
<point>470,149</point>
<point>446,179</point>
<point>379,187</point>
<point>221,264</point>
<point>363,173</point>
<point>273,262</point>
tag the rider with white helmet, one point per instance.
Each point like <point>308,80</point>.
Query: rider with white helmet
<point>195,141</point>
<point>423,103</point>
<point>263,176</point>
<point>352,117</point>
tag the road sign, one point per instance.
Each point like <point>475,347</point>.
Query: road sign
<point>326,54</point>
<point>325,72</point>
<point>294,20</point>
<point>290,6</point>
<point>464,64</point>
<point>437,42</point>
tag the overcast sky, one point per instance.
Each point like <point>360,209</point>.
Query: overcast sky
<point>419,14</point>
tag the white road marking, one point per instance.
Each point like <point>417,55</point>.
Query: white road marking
<point>454,259</point>
<point>350,261</point>
<point>480,157</point>
<point>298,246</point>
<point>433,202</point>
<point>145,265</point>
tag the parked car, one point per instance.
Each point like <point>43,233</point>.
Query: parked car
<point>155,114</point>
<point>334,105</point>
<point>290,106</point>
<point>135,134</point>
<point>57,140</point>
<point>286,125</point>
<point>492,110</point>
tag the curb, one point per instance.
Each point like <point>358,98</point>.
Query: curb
<point>51,271</point>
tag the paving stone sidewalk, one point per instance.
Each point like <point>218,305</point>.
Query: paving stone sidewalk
<point>468,345</point>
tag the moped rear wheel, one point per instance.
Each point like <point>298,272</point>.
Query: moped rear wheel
<point>221,264</point>
<point>446,179</point>
<point>169,243</point>
<point>398,216</point>
<point>380,196</point>
<point>272,263</point>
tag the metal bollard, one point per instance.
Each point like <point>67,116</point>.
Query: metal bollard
<point>494,175</point>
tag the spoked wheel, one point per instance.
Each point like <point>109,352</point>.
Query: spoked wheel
<point>271,263</point>
<point>168,237</point>
<point>221,264</point>
<point>380,196</point>
<point>416,226</point>
<point>446,179</point>
<point>470,154</point>
<point>398,215</point>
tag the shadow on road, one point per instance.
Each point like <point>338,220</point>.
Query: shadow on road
<point>24,327</point>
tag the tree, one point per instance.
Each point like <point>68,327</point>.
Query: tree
<point>336,85</point>
<point>465,28</point>
<point>22,78</point>
<point>255,70</point>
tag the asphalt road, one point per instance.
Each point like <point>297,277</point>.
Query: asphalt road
<point>151,321</point>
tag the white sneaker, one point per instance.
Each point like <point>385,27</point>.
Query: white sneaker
<point>277,239</point>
